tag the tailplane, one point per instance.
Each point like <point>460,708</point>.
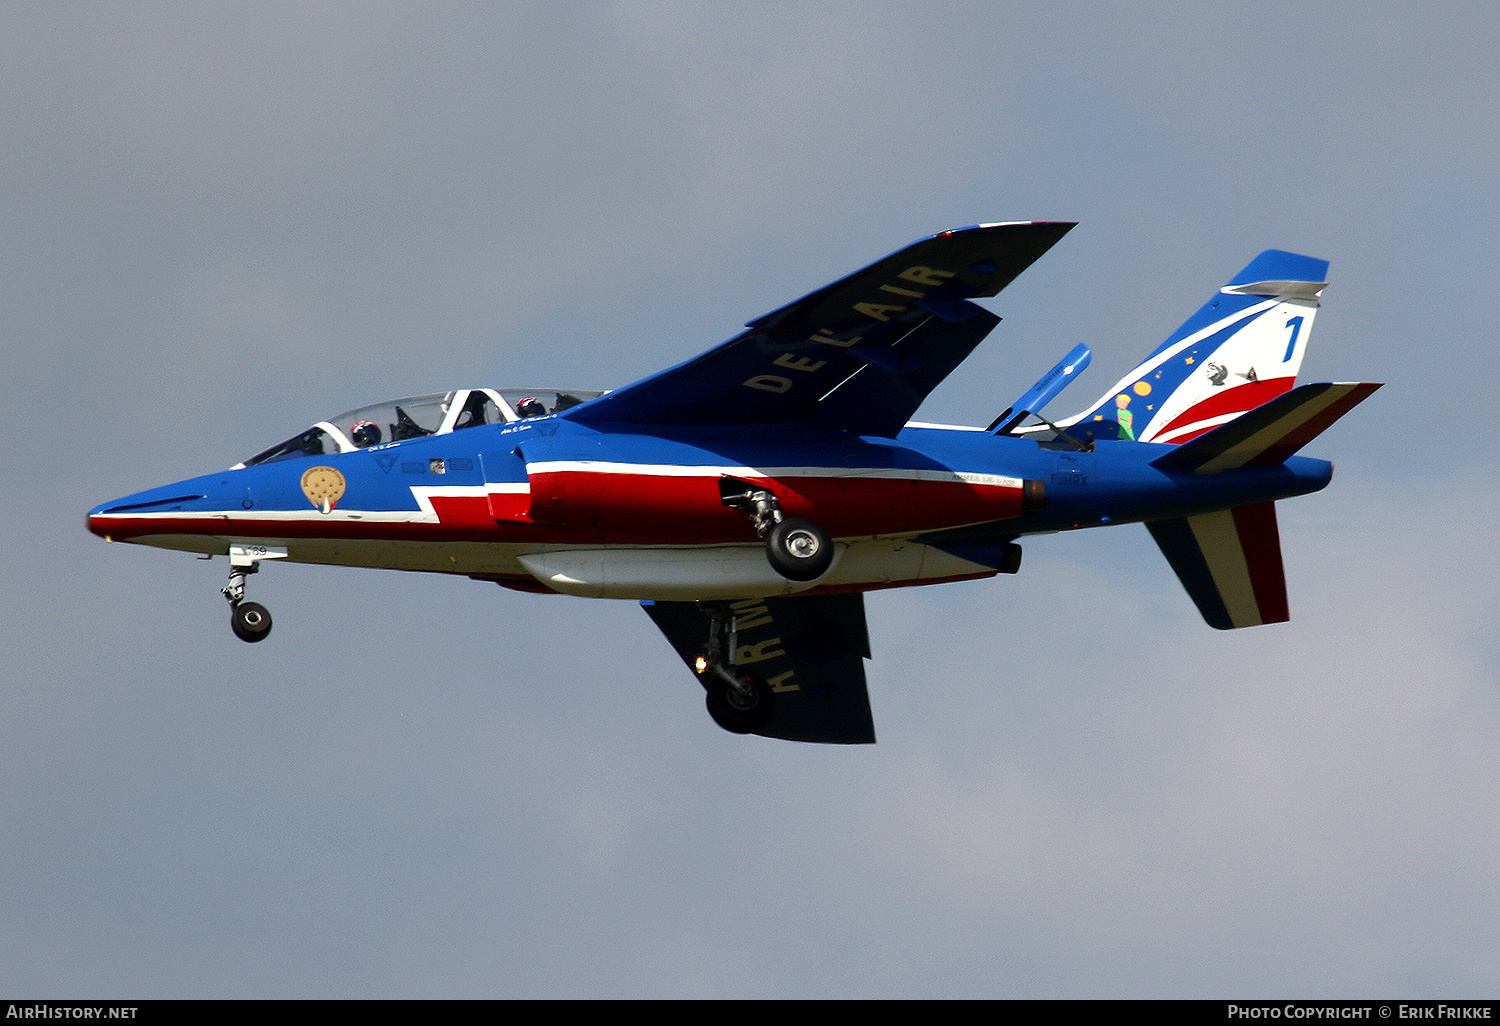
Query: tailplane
<point>1271,433</point>
<point>1230,563</point>
<point>1241,349</point>
<point>1230,560</point>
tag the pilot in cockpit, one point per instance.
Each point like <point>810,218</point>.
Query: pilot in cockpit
<point>530,406</point>
<point>365,434</point>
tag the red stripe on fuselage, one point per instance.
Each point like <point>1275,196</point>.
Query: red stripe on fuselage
<point>637,504</point>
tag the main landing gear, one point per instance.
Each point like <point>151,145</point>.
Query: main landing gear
<point>797,549</point>
<point>250,621</point>
<point>739,702</point>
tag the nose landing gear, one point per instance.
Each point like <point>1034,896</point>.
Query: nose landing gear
<point>250,621</point>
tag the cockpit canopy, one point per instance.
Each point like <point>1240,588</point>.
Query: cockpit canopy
<point>418,417</point>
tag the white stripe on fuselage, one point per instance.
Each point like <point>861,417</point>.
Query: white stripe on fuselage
<point>776,473</point>
<point>426,512</point>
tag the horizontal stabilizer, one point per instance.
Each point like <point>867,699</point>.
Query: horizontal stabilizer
<point>809,649</point>
<point>1230,563</point>
<point>1270,433</point>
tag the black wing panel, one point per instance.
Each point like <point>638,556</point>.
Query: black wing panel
<point>879,398</point>
<point>811,650</point>
<point>882,337</point>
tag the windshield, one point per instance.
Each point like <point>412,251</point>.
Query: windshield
<point>312,442</point>
<point>418,417</point>
<point>393,421</point>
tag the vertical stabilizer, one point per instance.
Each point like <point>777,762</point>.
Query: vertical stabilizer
<point>1241,349</point>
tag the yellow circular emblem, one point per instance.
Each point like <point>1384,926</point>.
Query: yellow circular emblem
<point>323,487</point>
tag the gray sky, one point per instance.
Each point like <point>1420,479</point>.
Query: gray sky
<point>221,222</point>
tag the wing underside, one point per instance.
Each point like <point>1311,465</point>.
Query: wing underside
<point>811,650</point>
<point>860,354</point>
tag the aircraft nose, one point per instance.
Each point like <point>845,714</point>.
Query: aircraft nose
<point>96,521</point>
<point>129,515</point>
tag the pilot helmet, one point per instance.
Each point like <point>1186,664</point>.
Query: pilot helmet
<point>365,433</point>
<point>530,406</point>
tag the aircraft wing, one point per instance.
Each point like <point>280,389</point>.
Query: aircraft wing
<point>810,649</point>
<point>859,354</point>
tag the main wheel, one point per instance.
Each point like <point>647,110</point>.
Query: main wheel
<point>737,712</point>
<point>799,550</point>
<point>250,621</point>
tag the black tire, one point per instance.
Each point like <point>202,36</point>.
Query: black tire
<point>732,711</point>
<point>250,621</point>
<point>799,550</point>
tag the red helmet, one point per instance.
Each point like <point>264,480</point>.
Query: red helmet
<point>365,433</point>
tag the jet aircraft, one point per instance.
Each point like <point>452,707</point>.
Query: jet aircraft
<point>748,497</point>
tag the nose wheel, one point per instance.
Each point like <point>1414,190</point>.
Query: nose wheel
<point>250,621</point>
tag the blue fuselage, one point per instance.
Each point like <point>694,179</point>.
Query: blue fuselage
<point>551,503</point>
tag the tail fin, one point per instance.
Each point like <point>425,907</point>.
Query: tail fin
<point>1242,349</point>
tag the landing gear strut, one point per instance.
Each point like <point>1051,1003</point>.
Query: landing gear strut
<point>739,702</point>
<point>797,549</point>
<point>250,621</point>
